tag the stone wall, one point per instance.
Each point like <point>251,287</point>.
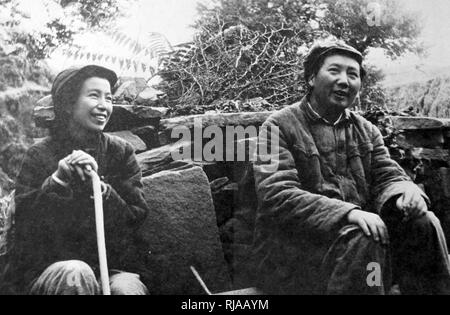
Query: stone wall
<point>228,201</point>
<point>422,147</point>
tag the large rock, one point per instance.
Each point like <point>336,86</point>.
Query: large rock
<point>430,154</point>
<point>141,112</point>
<point>161,159</point>
<point>181,232</point>
<point>421,138</point>
<point>221,120</point>
<point>419,123</point>
<point>149,134</point>
<point>127,117</point>
<point>217,119</point>
<point>135,141</point>
<point>426,132</point>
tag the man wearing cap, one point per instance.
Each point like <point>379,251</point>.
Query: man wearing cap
<point>336,215</point>
<point>55,249</point>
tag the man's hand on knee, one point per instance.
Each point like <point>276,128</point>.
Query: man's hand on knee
<point>371,224</point>
<point>412,203</point>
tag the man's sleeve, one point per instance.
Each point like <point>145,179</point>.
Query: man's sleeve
<point>281,198</point>
<point>389,179</point>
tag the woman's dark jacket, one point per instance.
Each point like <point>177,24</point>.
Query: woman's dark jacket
<point>53,223</point>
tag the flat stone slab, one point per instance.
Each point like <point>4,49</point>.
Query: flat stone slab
<point>421,138</point>
<point>161,159</point>
<point>149,134</point>
<point>419,123</point>
<point>181,231</point>
<point>431,154</point>
<point>135,141</point>
<point>220,120</point>
<point>217,119</point>
<point>143,112</point>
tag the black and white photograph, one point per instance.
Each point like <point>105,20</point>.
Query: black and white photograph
<point>224,152</point>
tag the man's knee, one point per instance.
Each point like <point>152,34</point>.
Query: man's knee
<point>359,248</point>
<point>426,224</point>
<point>125,283</point>
<point>352,259</point>
<point>356,237</point>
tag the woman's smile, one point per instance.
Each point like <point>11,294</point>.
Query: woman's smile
<point>94,106</point>
<point>100,118</point>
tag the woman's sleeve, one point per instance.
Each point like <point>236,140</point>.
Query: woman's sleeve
<point>126,197</point>
<point>35,189</point>
<point>39,201</point>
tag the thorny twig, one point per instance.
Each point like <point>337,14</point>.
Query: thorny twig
<point>236,64</point>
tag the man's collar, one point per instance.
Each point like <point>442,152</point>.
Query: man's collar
<point>314,116</point>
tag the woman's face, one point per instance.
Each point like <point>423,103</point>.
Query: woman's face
<point>93,108</point>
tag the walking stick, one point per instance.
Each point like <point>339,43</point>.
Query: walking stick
<point>100,227</point>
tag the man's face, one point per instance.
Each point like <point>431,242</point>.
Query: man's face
<point>337,83</point>
<point>94,105</point>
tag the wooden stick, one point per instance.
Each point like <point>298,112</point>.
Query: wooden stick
<point>99,221</point>
<point>200,280</point>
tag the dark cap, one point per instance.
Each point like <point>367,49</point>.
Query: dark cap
<point>69,77</point>
<point>322,49</point>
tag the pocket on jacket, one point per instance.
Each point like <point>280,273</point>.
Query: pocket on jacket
<point>360,160</point>
<point>308,166</point>
<point>362,149</point>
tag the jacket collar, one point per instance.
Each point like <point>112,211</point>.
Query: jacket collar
<point>313,116</point>
<point>67,144</point>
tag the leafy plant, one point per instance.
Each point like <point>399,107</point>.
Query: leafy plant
<point>141,57</point>
<point>24,42</point>
<point>255,48</point>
